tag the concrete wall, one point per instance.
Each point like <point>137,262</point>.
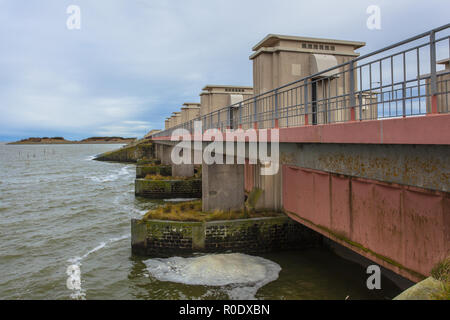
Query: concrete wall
<point>189,113</point>
<point>404,229</point>
<point>243,235</point>
<point>130,153</point>
<point>424,166</point>
<point>143,170</point>
<point>223,187</point>
<point>279,60</point>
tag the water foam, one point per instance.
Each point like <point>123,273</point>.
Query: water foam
<point>239,275</point>
<point>77,291</point>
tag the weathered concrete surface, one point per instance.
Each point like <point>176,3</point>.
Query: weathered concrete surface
<point>223,187</point>
<point>271,197</point>
<point>405,229</point>
<point>165,154</point>
<point>424,290</point>
<point>143,170</point>
<point>129,153</point>
<point>183,170</point>
<point>425,166</point>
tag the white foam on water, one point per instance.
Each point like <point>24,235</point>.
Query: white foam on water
<point>108,178</point>
<point>90,158</point>
<point>124,171</point>
<point>239,275</point>
<point>77,291</point>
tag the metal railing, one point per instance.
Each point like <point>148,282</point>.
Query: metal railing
<point>400,80</point>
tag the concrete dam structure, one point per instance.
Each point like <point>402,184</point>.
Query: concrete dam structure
<point>363,144</point>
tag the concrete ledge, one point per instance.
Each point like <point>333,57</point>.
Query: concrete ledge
<point>143,170</point>
<point>158,237</point>
<point>167,189</point>
<point>426,289</point>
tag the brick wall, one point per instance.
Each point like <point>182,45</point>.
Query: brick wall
<point>143,170</point>
<point>166,189</point>
<point>243,235</point>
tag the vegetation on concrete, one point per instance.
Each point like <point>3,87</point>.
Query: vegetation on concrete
<point>192,211</point>
<point>441,272</point>
<point>164,176</point>
<point>161,177</point>
<point>129,153</point>
<point>436,287</point>
<point>252,199</point>
<point>150,162</point>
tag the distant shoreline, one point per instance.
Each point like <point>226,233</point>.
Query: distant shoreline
<point>60,140</point>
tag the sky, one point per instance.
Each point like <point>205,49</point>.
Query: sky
<point>132,63</point>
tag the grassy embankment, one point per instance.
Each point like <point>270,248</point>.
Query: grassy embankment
<point>192,211</point>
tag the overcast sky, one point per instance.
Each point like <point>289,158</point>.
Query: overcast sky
<point>134,62</point>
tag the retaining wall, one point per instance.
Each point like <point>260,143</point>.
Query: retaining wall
<point>143,170</point>
<point>157,237</point>
<point>167,189</point>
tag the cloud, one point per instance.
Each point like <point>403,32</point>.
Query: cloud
<point>134,62</point>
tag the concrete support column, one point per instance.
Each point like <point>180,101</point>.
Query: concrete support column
<point>223,187</point>
<point>271,186</point>
<point>166,155</point>
<point>182,170</point>
<point>159,149</point>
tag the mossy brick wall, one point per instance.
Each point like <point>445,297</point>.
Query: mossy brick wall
<point>143,170</point>
<point>258,235</point>
<point>162,237</point>
<point>166,189</point>
<point>243,235</point>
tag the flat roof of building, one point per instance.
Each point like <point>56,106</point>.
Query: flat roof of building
<point>212,86</point>
<point>271,39</point>
<point>187,108</point>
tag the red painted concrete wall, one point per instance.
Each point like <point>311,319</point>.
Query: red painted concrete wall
<point>406,229</point>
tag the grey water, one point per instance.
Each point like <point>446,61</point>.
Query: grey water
<point>59,209</point>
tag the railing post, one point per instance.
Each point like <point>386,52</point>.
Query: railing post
<point>229,118</point>
<point>404,99</point>
<point>360,106</point>
<point>306,102</point>
<point>433,80</point>
<point>352,91</point>
<point>240,115</point>
<point>219,125</point>
<point>276,110</point>
<point>255,117</point>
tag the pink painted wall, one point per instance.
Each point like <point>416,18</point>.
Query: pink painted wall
<point>406,229</point>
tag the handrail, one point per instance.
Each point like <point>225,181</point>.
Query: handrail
<point>306,82</point>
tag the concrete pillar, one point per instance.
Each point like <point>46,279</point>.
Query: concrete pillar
<point>223,187</point>
<point>166,155</point>
<point>182,170</point>
<point>271,186</point>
